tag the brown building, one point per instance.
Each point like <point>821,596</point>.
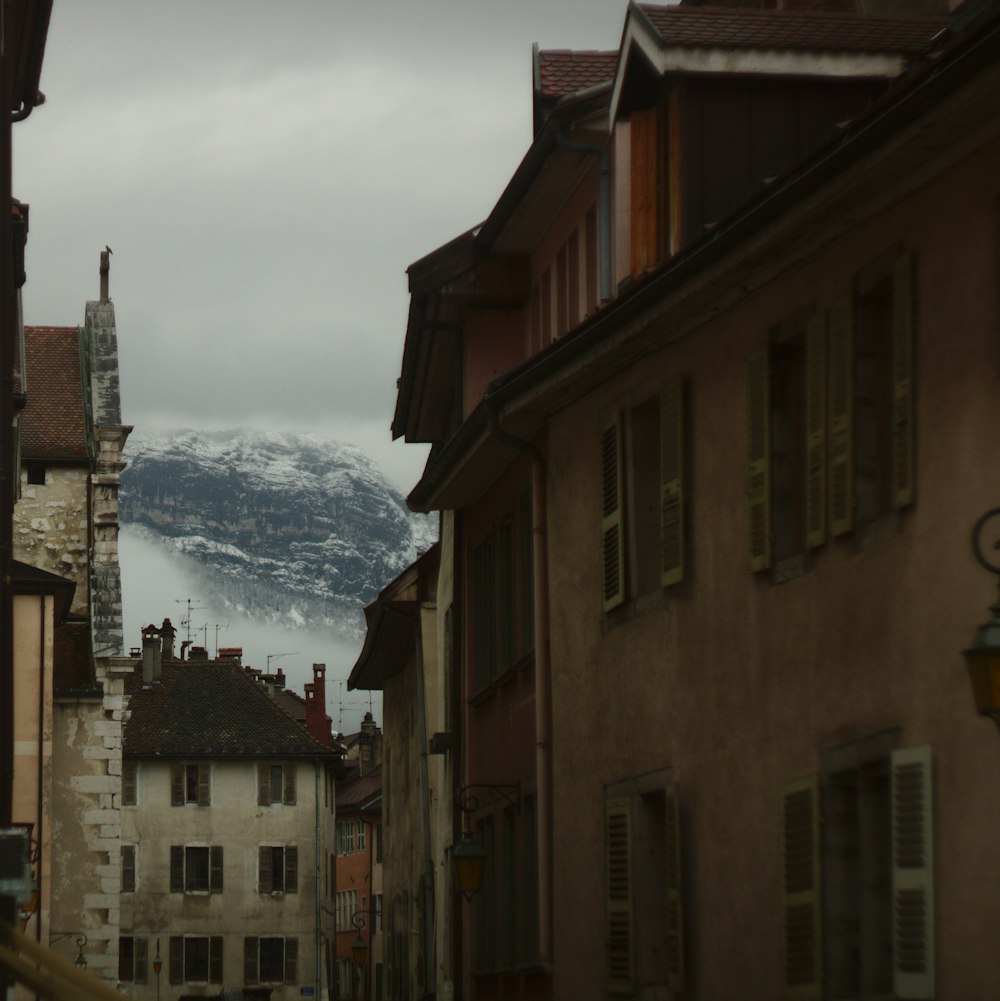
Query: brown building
<point>712,395</point>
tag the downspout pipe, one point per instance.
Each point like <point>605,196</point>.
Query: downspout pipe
<point>603,208</point>
<point>429,920</point>
<point>543,679</point>
<point>317,887</point>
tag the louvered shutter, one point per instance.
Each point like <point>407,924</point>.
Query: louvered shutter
<point>672,482</point>
<point>215,959</point>
<point>902,380</point>
<point>176,868</point>
<point>250,960</point>
<point>128,868</point>
<point>291,869</point>
<point>912,874</point>
<point>176,785</point>
<point>129,784</point>
<point>841,425</point>
<point>759,459</point>
<point>618,872</point>
<point>675,900</point>
<point>203,786</point>
<point>801,858</point>
<point>264,868</point>
<point>289,777</point>
<point>215,869</point>
<point>612,514</point>
<point>816,430</point>
<point>263,784</point>
<point>291,960</point>
<point>141,947</point>
<point>648,222</point>
<point>176,959</point>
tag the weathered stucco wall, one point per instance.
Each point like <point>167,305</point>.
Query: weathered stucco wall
<point>738,684</point>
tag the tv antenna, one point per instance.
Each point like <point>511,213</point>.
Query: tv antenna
<point>271,657</point>
<point>191,607</point>
<point>216,626</point>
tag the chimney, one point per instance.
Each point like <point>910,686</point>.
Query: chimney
<point>105,271</point>
<point>279,680</point>
<point>198,653</point>
<point>167,633</point>
<point>150,655</point>
<point>369,745</point>
<point>317,721</point>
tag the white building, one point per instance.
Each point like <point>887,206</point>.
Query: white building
<point>228,820</point>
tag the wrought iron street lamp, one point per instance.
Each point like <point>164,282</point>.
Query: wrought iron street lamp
<point>468,854</point>
<point>983,657</point>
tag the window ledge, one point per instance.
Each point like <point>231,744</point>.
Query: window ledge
<point>791,567</point>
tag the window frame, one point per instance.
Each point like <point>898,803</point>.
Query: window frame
<point>186,777</point>
<point>265,783</point>
<point>133,962</point>
<point>287,864</point>
<point>183,872</point>
<point>180,962</point>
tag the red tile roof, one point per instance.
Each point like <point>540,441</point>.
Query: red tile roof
<point>563,72</point>
<point>747,28</point>
<point>52,423</point>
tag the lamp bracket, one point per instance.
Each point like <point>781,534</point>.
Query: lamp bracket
<point>469,800</point>
<point>979,543</point>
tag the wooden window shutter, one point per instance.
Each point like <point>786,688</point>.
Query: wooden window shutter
<point>912,874</point>
<point>250,960</point>
<point>128,868</point>
<point>176,785</point>
<point>841,425</point>
<point>215,869</point>
<point>289,777</point>
<point>902,380</point>
<point>803,935</point>
<point>675,900</point>
<point>204,795</point>
<point>816,430</point>
<point>141,946</point>
<point>129,773</point>
<point>672,482</point>
<point>263,784</point>
<point>291,960</point>
<point>264,868</point>
<point>612,516</point>
<point>618,873</point>
<point>648,222</point>
<point>176,868</point>
<point>215,959</point>
<point>291,869</point>
<point>759,459</point>
<point>176,959</point>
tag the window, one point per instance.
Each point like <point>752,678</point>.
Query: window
<point>189,784</point>
<point>270,960</point>
<point>128,868</point>
<point>642,496</point>
<point>278,869</point>
<point>345,970</point>
<point>345,909</point>
<point>130,774</point>
<point>195,869</point>
<point>35,473</point>
<point>133,963</point>
<point>830,408</point>
<point>275,784</point>
<point>345,837</point>
<point>642,845</point>
<point>361,836</point>
<point>502,602</point>
<point>859,889</point>
<point>196,959</point>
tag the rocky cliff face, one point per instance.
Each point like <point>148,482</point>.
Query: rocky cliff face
<point>286,528</point>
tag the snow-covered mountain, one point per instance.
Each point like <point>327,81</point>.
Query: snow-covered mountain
<point>284,528</point>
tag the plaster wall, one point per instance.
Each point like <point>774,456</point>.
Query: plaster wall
<point>51,527</point>
<point>236,822</point>
<point>737,684</point>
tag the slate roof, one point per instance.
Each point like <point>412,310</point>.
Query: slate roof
<point>52,423</point>
<point>359,793</point>
<point>211,709</point>
<point>562,72</point>
<point>748,28</point>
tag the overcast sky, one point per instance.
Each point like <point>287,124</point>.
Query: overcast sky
<point>264,171</point>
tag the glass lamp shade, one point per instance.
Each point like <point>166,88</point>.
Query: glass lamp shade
<point>469,859</point>
<point>359,950</point>
<point>984,675</point>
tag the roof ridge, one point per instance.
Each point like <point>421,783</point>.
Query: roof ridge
<point>805,15</point>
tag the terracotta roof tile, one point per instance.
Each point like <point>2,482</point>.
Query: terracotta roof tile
<point>747,28</point>
<point>356,793</point>
<point>563,72</point>
<point>52,422</point>
<point>212,709</point>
